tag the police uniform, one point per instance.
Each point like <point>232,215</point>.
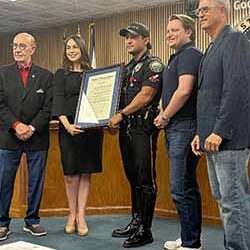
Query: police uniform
<point>138,143</point>
<point>138,135</point>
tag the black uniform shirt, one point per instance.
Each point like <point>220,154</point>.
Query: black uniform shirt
<point>145,72</point>
<point>186,60</point>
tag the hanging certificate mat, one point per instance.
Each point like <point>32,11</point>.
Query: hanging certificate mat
<point>99,96</point>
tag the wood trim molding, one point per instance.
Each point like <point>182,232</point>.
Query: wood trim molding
<point>116,210</point>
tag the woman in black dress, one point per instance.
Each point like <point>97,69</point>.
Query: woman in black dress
<point>81,152</point>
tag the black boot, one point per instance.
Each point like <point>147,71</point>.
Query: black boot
<point>128,230</point>
<point>143,234</point>
<point>140,237</point>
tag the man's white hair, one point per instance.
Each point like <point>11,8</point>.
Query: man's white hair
<point>225,4</point>
<point>31,38</point>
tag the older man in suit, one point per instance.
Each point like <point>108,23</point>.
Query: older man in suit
<point>223,113</point>
<point>25,106</point>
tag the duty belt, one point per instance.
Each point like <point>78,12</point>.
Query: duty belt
<point>136,120</point>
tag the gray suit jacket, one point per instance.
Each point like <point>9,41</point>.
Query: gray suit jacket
<point>223,101</point>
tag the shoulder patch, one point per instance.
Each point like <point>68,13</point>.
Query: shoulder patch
<point>156,66</point>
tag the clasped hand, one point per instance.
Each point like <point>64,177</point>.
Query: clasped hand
<point>159,122</point>
<point>23,132</point>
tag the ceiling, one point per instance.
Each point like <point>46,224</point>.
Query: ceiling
<point>16,15</point>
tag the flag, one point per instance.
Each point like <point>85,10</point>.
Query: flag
<point>92,45</point>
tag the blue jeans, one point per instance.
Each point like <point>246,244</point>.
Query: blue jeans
<point>184,188</point>
<point>9,162</point>
<point>228,176</point>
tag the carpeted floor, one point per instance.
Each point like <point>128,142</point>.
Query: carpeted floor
<point>100,234</point>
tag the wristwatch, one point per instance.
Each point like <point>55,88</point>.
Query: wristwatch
<point>165,119</point>
<point>32,128</point>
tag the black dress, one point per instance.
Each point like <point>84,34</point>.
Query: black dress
<point>81,153</point>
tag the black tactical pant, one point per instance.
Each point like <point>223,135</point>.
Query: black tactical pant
<point>138,144</point>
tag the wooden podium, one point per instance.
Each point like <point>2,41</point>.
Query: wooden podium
<point>110,192</point>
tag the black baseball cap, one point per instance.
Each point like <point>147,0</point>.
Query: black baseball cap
<point>138,29</point>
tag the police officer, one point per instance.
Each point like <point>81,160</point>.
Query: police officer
<point>140,96</point>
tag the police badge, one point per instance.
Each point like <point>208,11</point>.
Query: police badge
<point>138,67</point>
<point>244,26</point>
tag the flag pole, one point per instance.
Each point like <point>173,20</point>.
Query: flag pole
<point>91,47</point>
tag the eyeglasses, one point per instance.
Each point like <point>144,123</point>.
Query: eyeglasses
<point>21,46</point>
<point>204,10</point>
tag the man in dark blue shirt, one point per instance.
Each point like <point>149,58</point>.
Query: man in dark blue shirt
<point>178,118</point>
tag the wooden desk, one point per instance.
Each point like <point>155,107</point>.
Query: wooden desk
<point>109,190</point>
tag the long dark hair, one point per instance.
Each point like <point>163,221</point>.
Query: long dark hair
<point>84,60</point>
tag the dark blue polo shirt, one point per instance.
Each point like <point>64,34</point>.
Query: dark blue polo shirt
<point>186,60</point>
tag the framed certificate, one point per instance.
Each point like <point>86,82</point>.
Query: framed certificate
<point>99,96</point>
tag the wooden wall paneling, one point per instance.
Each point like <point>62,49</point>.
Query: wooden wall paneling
<point>54,200</point>
<point>18,204</point>
<point>110,192</point>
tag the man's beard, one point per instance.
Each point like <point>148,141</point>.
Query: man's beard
<point>135,52</point>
